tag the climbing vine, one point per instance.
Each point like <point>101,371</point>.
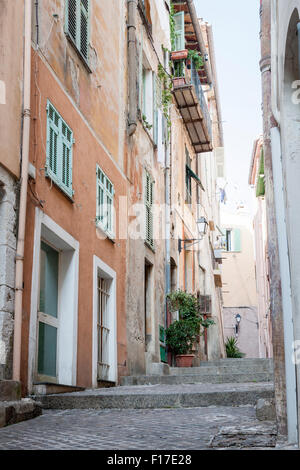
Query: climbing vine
<point>172,26</point>
<point>166,99</point>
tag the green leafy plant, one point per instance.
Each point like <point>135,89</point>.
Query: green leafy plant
<point>232,350</point>
<point>181,334</point>
<point>146,123</point>
<point>172,26</point>
<point>196,58</point>
<point>166,86</point>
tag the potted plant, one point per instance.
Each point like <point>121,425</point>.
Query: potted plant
<point>183,333</point>
<point>180,337</point>
<point>193,56</point>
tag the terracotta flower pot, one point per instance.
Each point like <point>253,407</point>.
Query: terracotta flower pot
<point>178,82</point>
<point>184,360</point>
<point>179,55</point>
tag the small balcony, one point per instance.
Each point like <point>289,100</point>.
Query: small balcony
<point>190,100</point>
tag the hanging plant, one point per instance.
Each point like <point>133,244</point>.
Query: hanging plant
<point>196,58</point>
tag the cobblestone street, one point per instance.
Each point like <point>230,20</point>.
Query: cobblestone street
<point>168,429</point>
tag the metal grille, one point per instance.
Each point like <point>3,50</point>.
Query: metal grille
<point>103,329</point>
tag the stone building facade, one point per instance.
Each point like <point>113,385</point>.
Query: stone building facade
<point>117,174</point>
<point>11,95</point>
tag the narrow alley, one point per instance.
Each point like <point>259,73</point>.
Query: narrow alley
<point>149,225</point>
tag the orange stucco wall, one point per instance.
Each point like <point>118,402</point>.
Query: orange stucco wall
<point>77,218</point>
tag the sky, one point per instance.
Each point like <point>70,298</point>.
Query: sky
<point>236,26</point>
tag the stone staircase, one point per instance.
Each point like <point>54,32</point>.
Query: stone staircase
<point>228,382</point>
<point>214,372</point>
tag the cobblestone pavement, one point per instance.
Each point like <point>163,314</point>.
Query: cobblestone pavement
<point>163,429</point>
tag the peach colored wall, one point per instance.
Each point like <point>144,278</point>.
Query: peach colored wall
<point>11,73</point>
<point>77,218</point>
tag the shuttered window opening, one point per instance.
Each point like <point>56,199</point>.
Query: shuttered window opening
<point>59,151</point>
<point>105,203</point>
<point>149,184</point>
<point>179,31</point>
<point>78,25</point>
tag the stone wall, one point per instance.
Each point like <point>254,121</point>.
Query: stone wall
<point>8,206</point>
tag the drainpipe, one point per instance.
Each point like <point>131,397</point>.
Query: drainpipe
<point>197,28</point>
<point>23,194</point>
<point>132,66</point>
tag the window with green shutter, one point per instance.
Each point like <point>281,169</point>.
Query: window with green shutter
<point>105,203</point>
<point>77,25</point>
<point>59,151</point>
<point>260,184</point>
<point>179,31</point>
<point>149,210</point>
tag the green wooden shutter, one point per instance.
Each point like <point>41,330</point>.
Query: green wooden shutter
<point>105,202</point>
<point>84,28</point>
<point>71,24</point>
<point>148,207</point>
<point>141,98</point>
<point>155,107</point>
<point>236,239</point>
<point>179,31</point>
<point>77,24</point>
<point>59,150</point>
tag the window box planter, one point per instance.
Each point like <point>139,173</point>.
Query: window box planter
<point>179,81</point>
<point>179,55</point>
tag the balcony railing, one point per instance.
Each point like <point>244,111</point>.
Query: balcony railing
<point>195,80</point>
<point>192,105</point>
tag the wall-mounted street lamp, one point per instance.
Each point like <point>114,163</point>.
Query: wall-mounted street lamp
<point>237,324</point>
<point>202,229</point>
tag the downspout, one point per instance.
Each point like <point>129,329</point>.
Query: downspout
<point>23,195</point>
<point>132,66</point>
<point>196,25</point>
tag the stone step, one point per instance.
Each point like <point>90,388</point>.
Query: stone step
<point>198,378</point>
<point>10,390</point>
<point>161,396</point>
<point>223,369</point>
<point>243,362</point>
<point>12,412</point>
<point>45,388</point>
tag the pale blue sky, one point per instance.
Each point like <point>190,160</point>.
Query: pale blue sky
<point>236,26</point>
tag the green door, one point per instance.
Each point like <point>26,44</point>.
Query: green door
<point>48,315</point>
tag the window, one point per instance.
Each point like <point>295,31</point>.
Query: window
<point>103,328</point>
<point>231,240</point>
<point>105,203</point>
<point>59,150</point>
<point>78,25</point>
<point>179,31</point>
<point>149,210</point>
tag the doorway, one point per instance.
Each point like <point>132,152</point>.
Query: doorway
<point>48,319</point>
